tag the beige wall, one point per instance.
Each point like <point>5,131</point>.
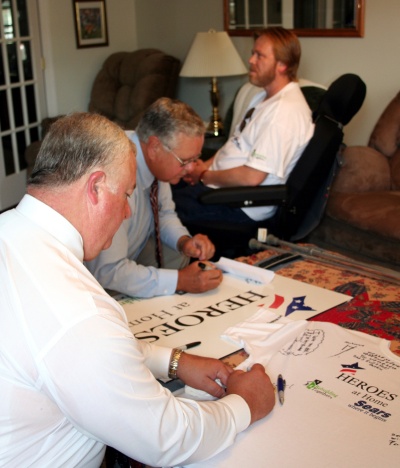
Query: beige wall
<point>70,71</point>
<point>171,25</point>
<point>374,58</point>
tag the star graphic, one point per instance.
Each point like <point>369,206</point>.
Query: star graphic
<point>297,304</point>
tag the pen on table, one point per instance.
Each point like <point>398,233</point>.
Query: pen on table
<point>190,345</point>
<point>281,389</point>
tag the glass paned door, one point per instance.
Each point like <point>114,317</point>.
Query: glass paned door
<point>21,94</point>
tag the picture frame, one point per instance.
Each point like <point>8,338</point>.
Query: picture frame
<point>90,23</point>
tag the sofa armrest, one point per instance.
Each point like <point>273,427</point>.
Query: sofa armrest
<point>363,169</point>
<point>395,170</point>
<point>385,136</point>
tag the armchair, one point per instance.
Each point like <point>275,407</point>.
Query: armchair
<point>125,86</point>
<point>129,82</point>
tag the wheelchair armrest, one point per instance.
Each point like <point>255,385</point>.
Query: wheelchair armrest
<point>238,197</point>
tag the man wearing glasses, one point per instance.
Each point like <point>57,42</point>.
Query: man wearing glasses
<point>168,139</point>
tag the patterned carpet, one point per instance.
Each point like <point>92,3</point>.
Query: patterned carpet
<point>374,309</point>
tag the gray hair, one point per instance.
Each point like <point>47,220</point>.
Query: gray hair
<point>166,118</point>
<point>76,144</point>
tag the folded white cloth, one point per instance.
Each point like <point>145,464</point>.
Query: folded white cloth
<point>253,334</point>
<point>248,272</point>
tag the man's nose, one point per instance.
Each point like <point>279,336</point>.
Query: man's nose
<point>188,168</point>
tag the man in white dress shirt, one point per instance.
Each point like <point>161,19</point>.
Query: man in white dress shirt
<point>73,379</point>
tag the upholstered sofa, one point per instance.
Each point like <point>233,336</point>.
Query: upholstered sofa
<point>362,217</point>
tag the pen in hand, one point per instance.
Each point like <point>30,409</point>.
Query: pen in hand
<point>281,389</point>
<point>206,266</point>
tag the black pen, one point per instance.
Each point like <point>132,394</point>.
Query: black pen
<point>205,266</point>
<point>281,389</point>
<point>190,345</point>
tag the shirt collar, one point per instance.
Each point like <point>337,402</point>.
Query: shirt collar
<point>53,223</point>
<point>143,171</point>
<point>260,97</point>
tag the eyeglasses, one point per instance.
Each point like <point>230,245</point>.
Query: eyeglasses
<point>181,161</point>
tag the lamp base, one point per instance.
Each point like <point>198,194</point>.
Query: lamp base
<point>215,126</point>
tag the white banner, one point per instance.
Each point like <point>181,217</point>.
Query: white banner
<point>183,318</point>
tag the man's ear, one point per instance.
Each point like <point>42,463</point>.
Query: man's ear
<point>95,185</point>
<point>281,67</point>
<point>154,145</point>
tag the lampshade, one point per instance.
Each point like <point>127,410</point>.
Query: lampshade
<point>212,54</point>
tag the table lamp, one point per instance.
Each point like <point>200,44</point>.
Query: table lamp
<point>213,54</point>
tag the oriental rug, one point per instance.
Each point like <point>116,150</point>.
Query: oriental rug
<point>374,309</point>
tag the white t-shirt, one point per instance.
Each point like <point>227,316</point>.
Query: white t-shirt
<point>72,377</point>
<point>272,140</point>
<point>342,398</point>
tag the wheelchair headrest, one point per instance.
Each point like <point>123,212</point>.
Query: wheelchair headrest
<point>343,98</point>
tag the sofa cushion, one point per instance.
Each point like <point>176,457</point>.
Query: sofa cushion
<point>385,136</point>
<point>395,170</point>
<point>363,169</point>
<point>377,212</point>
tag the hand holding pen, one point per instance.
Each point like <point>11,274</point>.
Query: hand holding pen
<point>206,266</point>
<point>256,388</point>
<point>199,277</point>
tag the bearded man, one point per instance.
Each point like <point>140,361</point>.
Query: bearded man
<point>266,144</point>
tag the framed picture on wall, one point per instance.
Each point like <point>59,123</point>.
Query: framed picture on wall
<point>90,23</point>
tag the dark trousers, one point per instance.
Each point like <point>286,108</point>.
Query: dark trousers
<point>190,210</point>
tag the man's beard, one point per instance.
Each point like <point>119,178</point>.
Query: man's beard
<point>265,80</point>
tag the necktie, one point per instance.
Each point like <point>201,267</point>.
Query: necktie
<point>154,207</point>
<point>246,118</point>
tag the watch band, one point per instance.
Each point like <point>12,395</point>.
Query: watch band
<point>173,363</point>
